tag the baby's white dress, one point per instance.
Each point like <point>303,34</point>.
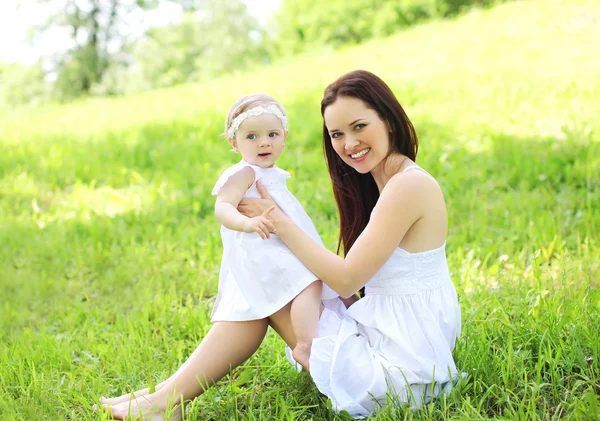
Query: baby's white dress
<point>259,277</point>
<point>396,341</point>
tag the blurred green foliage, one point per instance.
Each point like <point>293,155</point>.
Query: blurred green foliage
<point>110,251</point>
<point>220,38</point>
<point>304,24</point>
<point>22,84</point>
<point>212,38</point>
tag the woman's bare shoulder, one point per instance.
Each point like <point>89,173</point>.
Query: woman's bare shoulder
<point>413,179</point>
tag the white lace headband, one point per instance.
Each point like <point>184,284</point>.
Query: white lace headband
<point>269,109</point>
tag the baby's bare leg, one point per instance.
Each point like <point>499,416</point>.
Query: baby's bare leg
<point>226,346</point>
<point>305,311</point>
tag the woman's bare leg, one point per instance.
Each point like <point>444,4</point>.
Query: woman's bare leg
<point>304,314</point>
<point>132,394</point>
<point>227,345</point>
<point>282,324</point>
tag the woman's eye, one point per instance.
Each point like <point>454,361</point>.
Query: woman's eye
<point>335,135</point>
<point>359,126</point>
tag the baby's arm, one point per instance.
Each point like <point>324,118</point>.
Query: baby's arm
<point>226,206</point>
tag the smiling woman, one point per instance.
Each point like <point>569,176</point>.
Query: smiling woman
<point>358,120</point>
<point>396,342</point>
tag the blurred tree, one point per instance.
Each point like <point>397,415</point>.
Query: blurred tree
<point>303,24</point>
<point>453,7</point>
<point>217,38</point>
<point>97,27</point>
<point>20,84</point>
<point>212,38</point>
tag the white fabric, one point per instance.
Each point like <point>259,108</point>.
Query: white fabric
<point>395,342</point>
<point>259,277</point>
<point>269,109</point>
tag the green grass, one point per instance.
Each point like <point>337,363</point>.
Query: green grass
<point>109,252</point>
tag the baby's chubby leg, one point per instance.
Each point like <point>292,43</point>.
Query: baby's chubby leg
<point>304,313</point>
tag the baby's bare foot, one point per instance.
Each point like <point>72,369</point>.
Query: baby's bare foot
<point>302,354</point>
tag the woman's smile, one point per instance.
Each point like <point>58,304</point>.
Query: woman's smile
<point>360,155</point>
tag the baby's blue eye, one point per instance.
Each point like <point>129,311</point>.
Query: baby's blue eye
<point>251,136</point>
<point>272,134</point>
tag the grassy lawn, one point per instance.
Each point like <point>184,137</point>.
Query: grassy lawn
<point>109,250</point>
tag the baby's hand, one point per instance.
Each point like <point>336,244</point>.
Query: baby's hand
<point>259,224</point>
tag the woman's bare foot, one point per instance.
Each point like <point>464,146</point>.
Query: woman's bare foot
<point>302,354</point>
<point>150,407</point>
<point>129,396</point>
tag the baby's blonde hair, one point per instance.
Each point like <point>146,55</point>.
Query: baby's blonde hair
<point>247,102</point>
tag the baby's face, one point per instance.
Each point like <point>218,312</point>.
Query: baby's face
<point>260,139</point>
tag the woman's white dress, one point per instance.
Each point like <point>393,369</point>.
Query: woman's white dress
<point>259,277</point>
<point>395,342</point>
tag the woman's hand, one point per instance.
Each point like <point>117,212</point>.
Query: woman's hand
<point>257,207</point>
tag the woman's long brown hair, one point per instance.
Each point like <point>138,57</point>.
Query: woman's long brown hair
<point>356,194</point>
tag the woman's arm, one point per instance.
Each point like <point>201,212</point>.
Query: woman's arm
<point>400,205</point>
<point>229,197</point>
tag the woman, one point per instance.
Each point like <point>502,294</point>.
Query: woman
<point>398,339</point>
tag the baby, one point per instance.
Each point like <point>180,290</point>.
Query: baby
<point>258,278</point>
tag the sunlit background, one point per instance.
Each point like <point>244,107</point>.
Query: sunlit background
<point>21,43</point>
<point>110,123</point>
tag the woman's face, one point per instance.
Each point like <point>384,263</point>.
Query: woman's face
<point>357,133</point>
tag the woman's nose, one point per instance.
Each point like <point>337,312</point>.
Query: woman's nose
<point>351,143</point>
